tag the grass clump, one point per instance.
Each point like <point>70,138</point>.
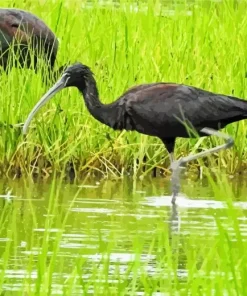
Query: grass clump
<point>201,44</point>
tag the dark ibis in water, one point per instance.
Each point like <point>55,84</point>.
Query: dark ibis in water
<point>28,37</point>
<point>164,110</point>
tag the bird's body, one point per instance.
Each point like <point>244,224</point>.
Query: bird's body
<point>163,110</point>
<point>18,30</point>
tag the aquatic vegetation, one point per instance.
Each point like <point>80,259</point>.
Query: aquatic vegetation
<point>200,44</point>
<point>120,238</point>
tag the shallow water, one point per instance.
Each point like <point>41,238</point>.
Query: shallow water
<point>105,217</point>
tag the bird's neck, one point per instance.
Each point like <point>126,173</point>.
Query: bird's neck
<point>97,109</point>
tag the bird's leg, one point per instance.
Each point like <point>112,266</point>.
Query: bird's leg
<point>175,179</point>
<point>211,132</point>
<point>171,157</point>
<point>176,164</point>
<point>169,145</point>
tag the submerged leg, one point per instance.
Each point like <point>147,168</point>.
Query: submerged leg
<point>176,164</point>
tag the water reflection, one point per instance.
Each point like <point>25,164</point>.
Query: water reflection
<point>118,222</point>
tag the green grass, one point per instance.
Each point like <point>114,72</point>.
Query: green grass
<point>205,48</point>
<point>52,236</point>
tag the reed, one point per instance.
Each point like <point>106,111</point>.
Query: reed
<point>200,44</point>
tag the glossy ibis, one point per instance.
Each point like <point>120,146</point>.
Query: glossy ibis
<point>29,37</point>
<point>163,110</point>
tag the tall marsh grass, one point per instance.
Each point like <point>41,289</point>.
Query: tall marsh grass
<point>203,44</point>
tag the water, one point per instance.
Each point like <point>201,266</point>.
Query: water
<point>119,218</point>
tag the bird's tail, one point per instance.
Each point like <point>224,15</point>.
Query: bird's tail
<point>239,108</point>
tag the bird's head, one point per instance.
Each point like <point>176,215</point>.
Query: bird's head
<point>76,73</point>
<point>73,75</point>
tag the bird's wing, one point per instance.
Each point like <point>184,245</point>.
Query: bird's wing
<point>138,88</point>
<point>162,108</point>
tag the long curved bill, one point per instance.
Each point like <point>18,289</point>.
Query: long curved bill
<point>60,84</point>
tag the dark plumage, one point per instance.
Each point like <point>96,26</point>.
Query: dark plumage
<point>155,109</point>
<point>18,29</point>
